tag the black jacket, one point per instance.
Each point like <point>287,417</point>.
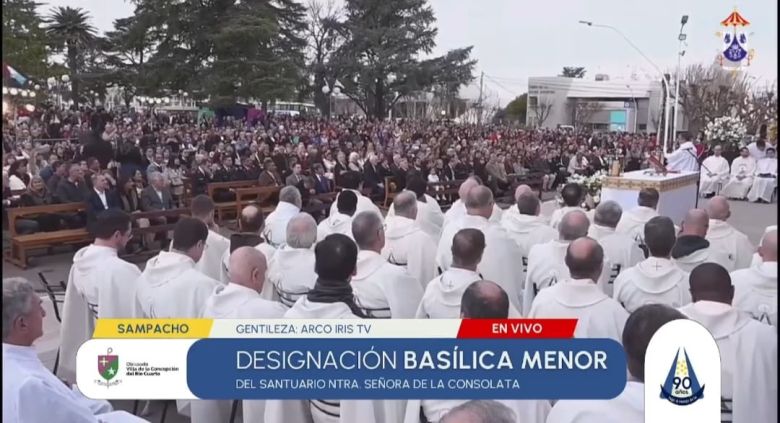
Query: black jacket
<point>95,206</point>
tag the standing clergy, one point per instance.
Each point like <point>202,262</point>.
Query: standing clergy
<point>500,262</point>
<point>250,225</point>
<point>656,279</point>
<point>429,216</point>
<point>340,221</point>
<point>458,208</point>
<point>382,290</point>
<point>350,182</point>
<point>406,244</point>
<point>743,169</point>
<point>632,222</point>
<point>239,299</point>
<point>526,228</point>
<point>291,271</point>
<point>99,285</point>
<point>210,263</point>
<point>546,265</point>
<point>755,288</point>
<point>32,393</point>
<point>572,195</point>
<point>691,248</point>
<point>765,180</point>
<point>685,158</point>
<point>579,297</point>
<point>289,205</point>
<point>629,406</point>
<point>714,172</point>
<point>748,349</point>
<point>621,251</point>
<point>725,237</point>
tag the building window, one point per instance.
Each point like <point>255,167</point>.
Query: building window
<point>642,127</point>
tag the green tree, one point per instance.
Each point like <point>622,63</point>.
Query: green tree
<point>24,41</point>
<point>573,72</point>
<point>128,48</point>
<point>516,109</point>
<point>70,31</point>
<point>323,40</point>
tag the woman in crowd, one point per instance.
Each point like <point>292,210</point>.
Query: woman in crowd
<point>18,178</point>
<point>175,174</point>
<point>38,195</point>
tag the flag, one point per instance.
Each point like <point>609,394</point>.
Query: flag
<point>11,73</point>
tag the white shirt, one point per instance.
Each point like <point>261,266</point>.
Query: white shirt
<point>102,196</point>
<point>160,194</point>
<point>276,224</point>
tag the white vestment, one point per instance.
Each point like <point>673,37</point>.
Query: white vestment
<point>407,245</point>
<point>743,168</point>
<point>526,411</point>
<point>275,231</point>
<point>526,231</point>
<point>756,258</point>
<point>632,222</point>
<point>620,250</point>
<point>558,214</point>
<point>264,247</point>
<point>683,159</point>
<point>33,394</point>
<point>748,361</point>
<point>442,296</point>
<point>598,316</point>
<point>709,254</point>
<point>734,243</point>
<point>653,281</point>
<point>210,263</point>
<point>364,204</point>
<point>714,173</point>
<point>628,407</point>
<point>500,261</point>
<point>336,223</point>
<point>100,284</point>
<point>233,301</point>
<point>755,291</point>
<point>546,267</point>
<point>458,210</point>
<point>290,275</point>
<point>429,216</point>
<point>755,152</point>
<point>384,290</point>
<point>763,187</point>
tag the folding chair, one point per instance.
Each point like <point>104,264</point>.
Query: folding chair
<point>56,294</point>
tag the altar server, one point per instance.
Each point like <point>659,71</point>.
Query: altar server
<point>691,248</point>
<point>501,262</point>
<point>291,271</point>
<point>621,251</point>
<point>579,297</point>
<point>572,195</point>
<point>656,279</point>
<point>340,221</point>
<point>31,393</point>
<point>748,349</point>
<point>526,227</point>
<point>714,172</point>
<point>755,288</point>
<point>210,263</point>
<point>429,215</point>
<point>350,182</point>
<point>743,169</point>
<point>629,406</point>
<point>382,290</point>
<point>765,180</point>
<point>458,208</point>
<point>100,284</point>
<point>685,158</point>
<point>725,237</point>
<point>406,244</point>
<point>289,205</point>
<point>632,222</point>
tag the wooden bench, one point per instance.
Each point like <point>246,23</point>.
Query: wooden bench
<point>391,190</point>
<point>444,192</point>
<point>138,231</point>
<point>533,180</point>
<point>223,206</point>
<point>265,197</point>
<point>20,244</point>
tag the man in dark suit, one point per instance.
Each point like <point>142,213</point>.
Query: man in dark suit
<point>101,198</point>
<point>269,177</point>
<point>156,196</point>
<point>372,179</point>
<point>72,189</point>
<point>322,184</point>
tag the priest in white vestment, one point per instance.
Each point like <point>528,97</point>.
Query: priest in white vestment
<point>239,299</point>
<point>99,285</point>
<point>350,181</point>
<point>291,271</point>
<point>289,205</point>
<point>250,227</point>
<point>620,250</point>
<point>572,196</point>
<point>429,215</point>
<point>725,237</point>
<point>32,393</point>
<point>340,220</point>
<point>210,263</point>
<point>458,208</point>
<point>382,290</point>
<point>758,149</point>
<point>500,263</point>
<point>526,227</point>
<point>743,169</point>
<point>685,158</point>
<point>579,297</point>
<point>748,348</point>
<point>714,172</point>
<point>406,244</point>
<point>765,181</point>
<point>692,249</point>
<point>632,221</point>
<point>756,257</point>
<point>755,288</point>
<point>629,405</point>
<point>656,280</point>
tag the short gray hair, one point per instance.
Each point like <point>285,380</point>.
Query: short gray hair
<point>301,231</point>
<point>155,175</point>
<point>365,228</point>
<point>608,214</point>
<point>486,411</point>
<point>290,194</point>
<point>404,203</point>
<point>16,301</point>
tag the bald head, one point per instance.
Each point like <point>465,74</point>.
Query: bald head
<point>301,231</point>
<point>522,189</point>
<point>768,248</point>
<point>467,248</point>
<point>251,219</point>
<point>584,258</point>
<point>247,268</point>
<point>574,224</point>
<point>405,205</point>
<point>484,300</point>
<point>711,282</point>
<point>479,202</point>
<point>467,185</point>
<point>718,208</point>
<point>696,222</point>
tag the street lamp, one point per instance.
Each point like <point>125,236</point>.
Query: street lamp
<point>65,78</point>
<point>680,53</point>
<point>330,92</point>
<point>636,107</point>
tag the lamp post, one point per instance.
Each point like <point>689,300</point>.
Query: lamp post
<point>680,53</point>
<point>636,107</point>
<point>330,92</point>
<point>664,79</point>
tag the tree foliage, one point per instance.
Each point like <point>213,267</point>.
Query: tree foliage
<point>584,111</point>
<point>24,40</point>
<point>710,92</point>
<point>70,31</point>
<point>573,72</point>
<point>323,40</point>
<point>516,109</point>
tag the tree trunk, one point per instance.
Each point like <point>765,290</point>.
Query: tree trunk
<point>379,100</point>
<point>321,100</point>
<point>74,80</point>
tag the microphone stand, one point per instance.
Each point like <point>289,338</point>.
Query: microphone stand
<point>698,181</point>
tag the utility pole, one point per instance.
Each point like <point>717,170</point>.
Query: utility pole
<point>479,103</point>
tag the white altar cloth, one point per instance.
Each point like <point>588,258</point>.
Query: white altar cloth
<point>677,191</point>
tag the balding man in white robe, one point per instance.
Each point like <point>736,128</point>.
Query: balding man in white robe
<point>210,263</point>
<point>629,405</point>
<point>524,224</point>
<point>714,172</point>
<point>579,296</point>
<point>239,299</point>
<point>765,181</point>
<point>340,221</point>
<point>406,244</point>
<point>429,215</point>
<point>692,249</point>
<point>725,237</point>
<point>458,208</point>
<point>250,226</point>
<point>756,257</point>
<point>632,222</point>
<point>748,349</point>
<point>755,288</point>
<point>289,205</point>
<point>684,158</point>
<point>621,251</point>
<point>291,271</point>
<point>743,169</point>
<point>572,195</point>
<point>501,262</point>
